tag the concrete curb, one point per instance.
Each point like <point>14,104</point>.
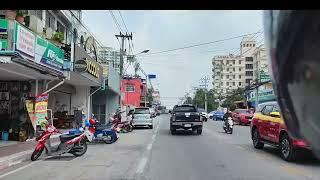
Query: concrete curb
<point>20,157</point>
<point>14,159</point>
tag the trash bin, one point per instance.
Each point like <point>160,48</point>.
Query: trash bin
<point>5,136</point>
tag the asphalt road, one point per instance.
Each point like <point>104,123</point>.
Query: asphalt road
<point>156,154</point>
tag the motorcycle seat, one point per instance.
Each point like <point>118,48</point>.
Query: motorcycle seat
<point>103,127</point>
<point>67,137</point>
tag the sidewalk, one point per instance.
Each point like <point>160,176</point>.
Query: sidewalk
<point>13,153</point>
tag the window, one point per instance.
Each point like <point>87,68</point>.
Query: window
<point>227,83</point>
<point>227,69</point>
<point>248,81</point>
<point>233,83</point>
<point>275,108</point>
<point>221,76</point>
<point>221,83</point>
<point>239,83</point>
<point>267,109</point>
<point>247,45</point>
<point>234,76</point>
<point>249,59</point>
<point>254,45</point>
<point>240,68</point>
<point>250,45</point>
<point>234,69</point>
<point>37,13</point>
<point>249,73</point>
<point>60,27</point>
<point>239,76</point>
<point>50,20</point>
<point>145,110</point>
<point>239,61</point>
<point>227,76</point>
<point>249,66</point>
<point>233,62</point>
<point>129,88</point>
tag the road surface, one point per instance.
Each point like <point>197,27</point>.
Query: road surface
<point>156,154</point>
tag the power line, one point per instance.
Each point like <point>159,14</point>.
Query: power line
<point>115,21</point>
<point>123,21</point>
<point>201,44</point>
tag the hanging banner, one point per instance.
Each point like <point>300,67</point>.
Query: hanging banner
<point>30,109</point>
<point>41,106</point>
<point>48,54</point>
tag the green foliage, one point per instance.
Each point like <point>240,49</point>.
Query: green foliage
<point>231,97</point>
<point>199,99</point>
<point>58,36</point>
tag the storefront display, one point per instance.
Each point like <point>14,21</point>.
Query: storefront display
<point>13,112</point>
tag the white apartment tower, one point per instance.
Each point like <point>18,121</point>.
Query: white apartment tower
<point>228,73</point>
<point>233,71</point>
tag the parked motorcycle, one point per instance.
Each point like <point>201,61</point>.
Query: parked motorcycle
<point>229,127</point>
<point>74,144</point>
<point>122,126</point>
<point>104,132</point>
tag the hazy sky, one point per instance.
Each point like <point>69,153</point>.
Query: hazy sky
<point>176,71</point>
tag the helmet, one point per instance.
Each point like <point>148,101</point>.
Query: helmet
<point>92,121</point>
<point>294,52</point>
<point>86,123</point>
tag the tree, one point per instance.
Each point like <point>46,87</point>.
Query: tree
<point>231,97</point>
<point>199,99</point>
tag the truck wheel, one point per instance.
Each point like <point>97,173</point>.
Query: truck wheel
<point>256,139</point>
<point>199,130</point>
<point>151,126</point>
<point>173,131</point>
<point>288,153</point>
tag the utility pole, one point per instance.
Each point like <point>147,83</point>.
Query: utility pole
<point>204,84</point>
<point>123,37</point>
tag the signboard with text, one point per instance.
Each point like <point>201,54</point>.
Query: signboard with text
<point>41,106</point>
<point>30,110</point>
<point>48,54</point>
<point>25,40</point>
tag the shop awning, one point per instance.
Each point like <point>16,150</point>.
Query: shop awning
<point>15,71</point>
<point>82,79</point>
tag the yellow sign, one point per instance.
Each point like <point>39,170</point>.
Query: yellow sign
<point>94,68</point>
<point>30,109</point>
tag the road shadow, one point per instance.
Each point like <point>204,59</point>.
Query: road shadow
<point>60,158</point>
<point>305,157</point>
<point>141,128</point>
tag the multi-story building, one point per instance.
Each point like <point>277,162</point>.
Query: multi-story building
<point>110,56</point>
<point>133,91</point>
<point>156,97</point>
<point>261,61</point>
<point>247,48</point>
<point>233,71</point>
<point>228,73</point>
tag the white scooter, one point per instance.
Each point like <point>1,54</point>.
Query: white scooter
<point>229,127</point>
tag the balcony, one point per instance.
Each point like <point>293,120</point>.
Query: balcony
<point>17,39</point>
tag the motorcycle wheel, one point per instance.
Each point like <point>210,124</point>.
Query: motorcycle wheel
<point>130,128</point>
<point>109,139</point>
<point>84,146</point>
<point>36,154</point>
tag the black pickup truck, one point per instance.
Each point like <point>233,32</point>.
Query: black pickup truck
<point>185,117</point>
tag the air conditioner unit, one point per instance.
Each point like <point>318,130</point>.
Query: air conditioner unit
<point>35,24</point>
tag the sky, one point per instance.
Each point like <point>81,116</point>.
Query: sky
<point>177,71</point>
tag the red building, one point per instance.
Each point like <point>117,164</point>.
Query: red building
<point>133,91</point>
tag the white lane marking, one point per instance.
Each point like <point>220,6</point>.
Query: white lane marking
<point>18,169</point>
<point>146,154</point>
<point>142,164</point>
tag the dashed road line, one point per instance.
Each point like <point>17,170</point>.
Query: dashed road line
<point>145,157</point>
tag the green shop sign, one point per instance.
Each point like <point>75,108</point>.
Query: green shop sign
<point>48,54</point>
<point>264,95</point>
<point>3,34</point>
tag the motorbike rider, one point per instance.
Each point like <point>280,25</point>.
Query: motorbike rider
<point>293,47</point>
<point>226,115</point>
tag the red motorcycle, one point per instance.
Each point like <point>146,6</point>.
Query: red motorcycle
<point>74,144</point>
<point>121,126</point>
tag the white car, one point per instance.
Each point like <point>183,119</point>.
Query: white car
<point>142,117</point>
